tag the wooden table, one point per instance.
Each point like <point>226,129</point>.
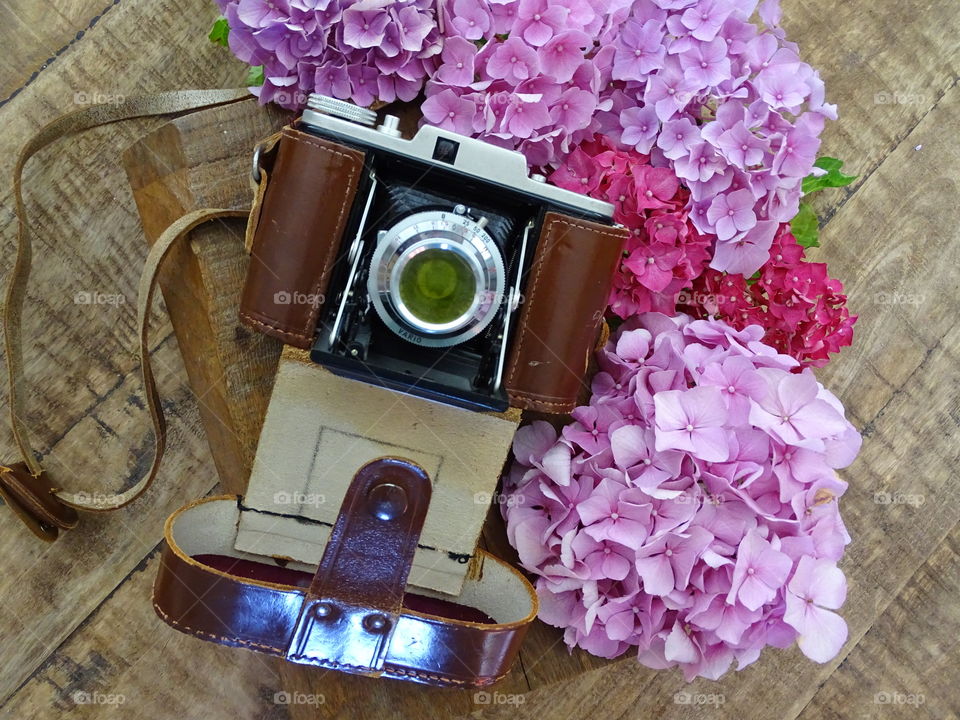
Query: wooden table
<point>75,617</point>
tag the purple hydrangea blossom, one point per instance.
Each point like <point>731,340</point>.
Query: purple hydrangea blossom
<point>358,50</point>
<point>734,111</point>
<point>690,512</point>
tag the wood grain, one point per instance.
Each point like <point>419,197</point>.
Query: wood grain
<point>892,238</point>
<point>37,34</point>
<point>202,160</point>
<point>84,409</point>
<point>101,669</point>
<point>885,63</point>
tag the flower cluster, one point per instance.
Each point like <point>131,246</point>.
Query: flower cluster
<point>801,308</point>
<point>521,74</point>
<point>732,108</point>
<point>729,107</point>
<point>665,252</point>
<point>359,50</point>
<point>690,510</point>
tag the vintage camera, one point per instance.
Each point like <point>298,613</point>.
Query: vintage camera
<point>428,287</point>
<point>433,266</point>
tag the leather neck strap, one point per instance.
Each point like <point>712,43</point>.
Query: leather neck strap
<point>24,486</point>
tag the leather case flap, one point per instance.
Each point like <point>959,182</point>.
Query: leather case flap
<point>472,647</point>
<point>566,295</point>
<point>306,204</point>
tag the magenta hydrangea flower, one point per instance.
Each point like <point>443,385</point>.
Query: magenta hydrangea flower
<point>802,309</point>
<point>690,512</point>
<point>459,58</point>
<point>641,51</point>
<point>665,251</point>
<point>472,20</point>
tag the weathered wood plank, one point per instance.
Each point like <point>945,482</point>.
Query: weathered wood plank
<point>87,232</point>
<point>84,409</point>
<point>885,63</point>
<point>48,590</point>
<point>906,665</point>
<point>34,35</point>
<point>101,669</point>
<point>895,247</point>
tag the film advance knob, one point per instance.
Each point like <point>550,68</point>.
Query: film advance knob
<point>341,109</point>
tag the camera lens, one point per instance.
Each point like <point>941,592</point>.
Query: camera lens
<point>436,278</point>
<point>437,286</point>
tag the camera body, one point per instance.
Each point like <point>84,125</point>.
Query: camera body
<point>431,279</point>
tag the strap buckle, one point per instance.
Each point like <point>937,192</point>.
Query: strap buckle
<point>32,499</point>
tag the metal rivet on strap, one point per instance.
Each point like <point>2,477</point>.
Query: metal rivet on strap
<point>387,501</point>
<point>322,610</point>
<point>376,623</point>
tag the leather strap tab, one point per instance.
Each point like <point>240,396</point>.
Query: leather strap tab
<point>351,609</point>
<point>32,498</point>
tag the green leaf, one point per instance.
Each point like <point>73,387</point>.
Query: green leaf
<point>832,178</point>
<point>254,75</point>
<point>806,227</point>
<point>219,31</point>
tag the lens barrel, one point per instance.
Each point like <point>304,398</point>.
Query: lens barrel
<point>436,278</point>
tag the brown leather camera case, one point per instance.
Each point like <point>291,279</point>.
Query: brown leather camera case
<point>354,612</point>
<point>298,232</point>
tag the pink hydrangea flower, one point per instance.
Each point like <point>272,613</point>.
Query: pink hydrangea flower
<point>513,61</point>
<point>676,515</point>
<point>358,50</point>
<point>817,587</point>
<point>692,420</point>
